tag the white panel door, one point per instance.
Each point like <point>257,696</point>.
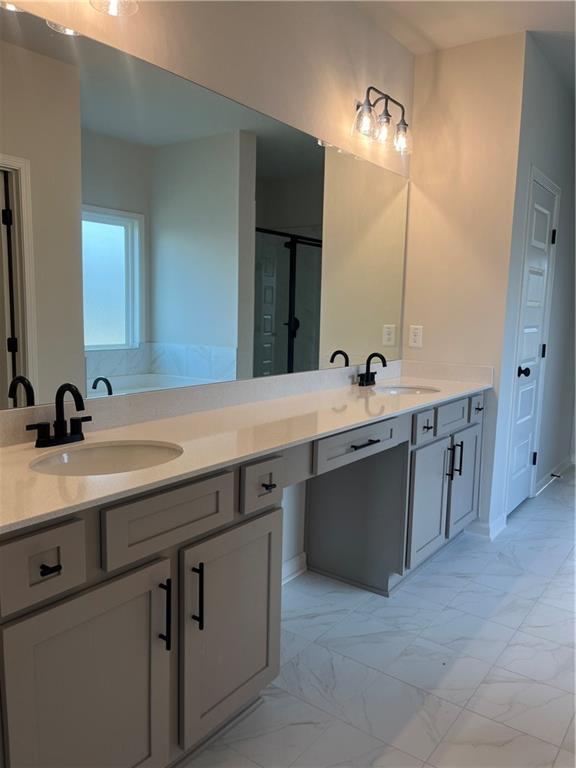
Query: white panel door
<point>265,315</point>
<point>531,336</point>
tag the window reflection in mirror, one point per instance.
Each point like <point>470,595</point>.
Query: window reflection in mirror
<point>165,236</point>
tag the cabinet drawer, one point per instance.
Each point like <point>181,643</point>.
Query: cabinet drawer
<point>148,525</point>
<point>260,485</point>
<point>423,427</point>
<point>476,408</point>
<point>41,566</point>
<point>451,416</point>
<point>346,447</point>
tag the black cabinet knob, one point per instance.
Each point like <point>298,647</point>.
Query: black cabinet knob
<point>523,371</point>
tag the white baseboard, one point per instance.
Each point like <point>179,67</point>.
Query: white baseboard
<point>558,470</point>
<point>293,567</point>
<point>490,530</point>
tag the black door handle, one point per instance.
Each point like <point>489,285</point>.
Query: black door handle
<point>167,634</point>
<point>459,467</point>
<point>523,371</point>
<point>199,617</point>
<point>450,472</point>
<point>49,570</point>
<point>365,445</point>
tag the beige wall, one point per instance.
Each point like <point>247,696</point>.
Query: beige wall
<point>305,63</point>
<point>40,121</point>
<point>362,257</point>
<point>467,107</point>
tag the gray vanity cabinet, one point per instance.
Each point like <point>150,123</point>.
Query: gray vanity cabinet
<point>230,623</point>
<point>428,501</point>
<point>86,681</point>
<point>463,501</point>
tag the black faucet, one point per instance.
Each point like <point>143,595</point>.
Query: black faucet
<point>61,435</point>
<point>343,354</point>
<point>104,381</point>
<point>28,388</point>
<point>369,377</point>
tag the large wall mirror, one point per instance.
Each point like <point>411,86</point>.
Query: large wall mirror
<point>164,236</point>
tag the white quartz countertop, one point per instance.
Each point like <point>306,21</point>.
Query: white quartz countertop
<point>211,440</point>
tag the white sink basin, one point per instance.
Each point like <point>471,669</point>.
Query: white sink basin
<point>401,390</point>
<point>106,458</point>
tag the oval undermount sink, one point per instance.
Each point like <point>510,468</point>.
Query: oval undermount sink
<point>405,390</point>
<point>106,458</point>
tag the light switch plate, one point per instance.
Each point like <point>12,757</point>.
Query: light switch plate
<point>389,335</point>
<point>415,336</point>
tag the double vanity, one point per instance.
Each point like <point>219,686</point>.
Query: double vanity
<point>140,571</point>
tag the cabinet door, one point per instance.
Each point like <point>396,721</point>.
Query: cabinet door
<point>86,681</point>
<point>463,501</point>
<point>230,623</point>
<point>428,501</point>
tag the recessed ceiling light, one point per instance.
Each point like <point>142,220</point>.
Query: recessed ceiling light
<point>62,29</point>
<point>115,7</point>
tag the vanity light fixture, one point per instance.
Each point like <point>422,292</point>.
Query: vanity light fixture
<point>62,29</point>
<point>378,126</point>
<point>115,7</point>
<point>10,7</point>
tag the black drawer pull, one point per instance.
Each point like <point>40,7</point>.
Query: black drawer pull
<point>49,570</point>
<point>479,408</point>
<point>365,445</point>
<point>427,427</point>
<point>167,634</point>
<point>269,486</point>
<point>199,618</point>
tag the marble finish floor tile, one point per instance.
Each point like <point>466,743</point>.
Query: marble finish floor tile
<point>291,645</point>
<point>436,588</point>
<point>342,746</point>
<point>488,603</point>
<point>403,611</point>
<point>561,592</point>
<point>568,741</point>
<point>476,742</point>
<point>534,708</point>
<point>540,660</point>
<point>551,623</point>
<point>369,640</point>
<point>278,731</point>
<point>311,615</point>
<point>219,755</point>
<point>406,717</point>
<point>326,679</point>
<point>469,635</point>
<point>439,670</point>
<point>565,760</point>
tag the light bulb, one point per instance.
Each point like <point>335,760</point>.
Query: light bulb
<point>365,122</point>
<point>62,29</point>
<point>383,128</point>
<point>402,138</point>
<point>115,7</point>
<point>10,7</point>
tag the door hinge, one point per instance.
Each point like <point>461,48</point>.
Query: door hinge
<point>7,217</point>
<point>12,344</point>
<point>553,237</point>
<point>543,351</point>
<point>534,458</point>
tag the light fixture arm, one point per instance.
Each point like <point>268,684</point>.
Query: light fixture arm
<point>385,97</point>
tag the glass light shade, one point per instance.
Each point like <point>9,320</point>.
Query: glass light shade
<point>115,7</point>
<point>383,128</point>
<point>10,7</point>
<point>365,120</point>
<point>61,29</point>
<point>402,139</point>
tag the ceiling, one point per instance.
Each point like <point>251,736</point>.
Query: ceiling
<point>427,26</point>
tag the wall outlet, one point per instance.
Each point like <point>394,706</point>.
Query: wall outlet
<point>389,335</point>
<point>415,336</point>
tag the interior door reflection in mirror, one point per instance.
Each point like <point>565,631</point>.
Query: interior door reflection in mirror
<point>164,236</point>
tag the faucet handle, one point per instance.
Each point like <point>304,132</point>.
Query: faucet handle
<point>43,433</point>
<point>76,424</point>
